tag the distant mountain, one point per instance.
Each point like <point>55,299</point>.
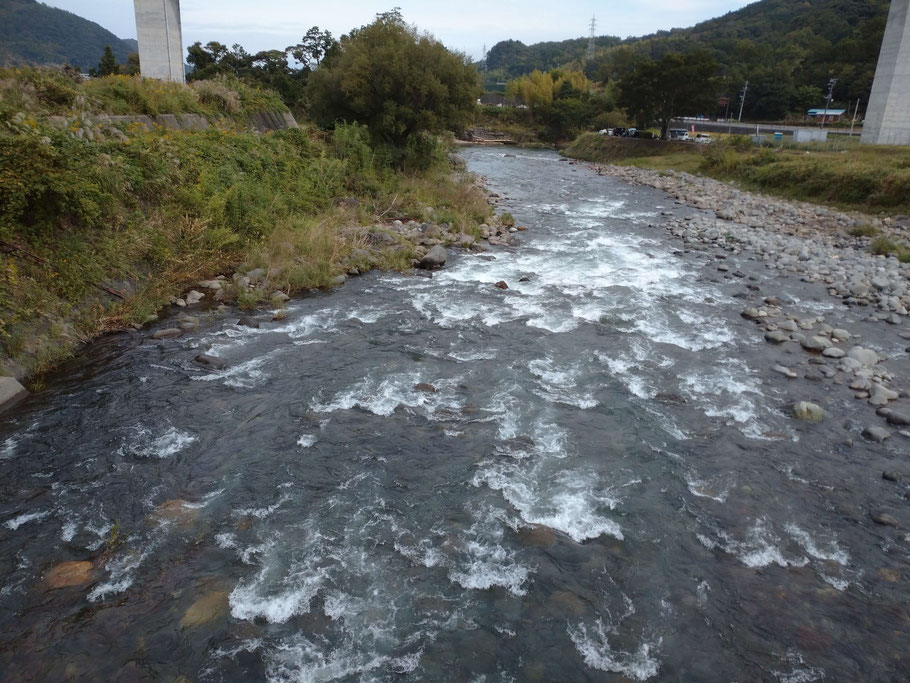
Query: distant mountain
<point>34,33</point>
<point>787,50</point>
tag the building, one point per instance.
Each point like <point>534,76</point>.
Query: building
<point>888,115</point>
<point>160,39</point>
<point>824,116</point>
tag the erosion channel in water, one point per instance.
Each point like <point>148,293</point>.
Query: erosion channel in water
<point>602,480</point>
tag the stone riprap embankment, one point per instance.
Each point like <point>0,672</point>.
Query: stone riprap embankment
<point>813,243</point>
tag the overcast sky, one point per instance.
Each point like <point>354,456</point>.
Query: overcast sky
<point>465,25</point>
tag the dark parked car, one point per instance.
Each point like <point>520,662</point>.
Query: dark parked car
<point>620,132</point>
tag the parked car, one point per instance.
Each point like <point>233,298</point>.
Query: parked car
<point>605,131</point>
<point>620,132</point>
<point>633,133</point>
<point>680,134</point>
<point>704,139</point>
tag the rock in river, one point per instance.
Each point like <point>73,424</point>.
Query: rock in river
<point>11,392</point>
<point>876,434</point>
<point>808,412</point>
<point>169,333</point>
<point>435,258</point>
<point>207,608</point>
<point>212,362</point>
<point>68,574</point>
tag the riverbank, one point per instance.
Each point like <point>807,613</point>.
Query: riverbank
<point>106,221</point>
<point>823,247</point>
<point>862,178</point>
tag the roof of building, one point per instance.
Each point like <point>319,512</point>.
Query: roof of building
<point>831,112</point>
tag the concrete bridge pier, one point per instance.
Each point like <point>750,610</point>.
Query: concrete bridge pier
<point>888,114</point>
<point>160,39</point>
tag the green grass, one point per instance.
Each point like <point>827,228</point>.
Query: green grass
<point>158,210</point>
<point>863,231</point>
<point>884,246</point>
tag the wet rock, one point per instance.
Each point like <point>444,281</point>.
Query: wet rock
<point>176,511</point>
<point>777,337</point>
<point>169,333</point>
<point>899,419</point>
<point>865,357</point>
<point>890,475</point>
<point>247,321</point>
<point>833,352</point>
<point>537,535</point>
<point>880,395</point>
<point>339,280</point>
<point>787,372</point>
<point>816,344</point>
<point>279,297</point>
<point>889,575</point>
<point>525,279</point>
<point>11,392</point>
<point>840,335</point>
<point>436,257</point>
<point>751,314</point>
<point>180,303</point>
<point>876,434</point>
<point>426,388</point>
<point>501,285</point>
<point>212,362</point>
<point>884,519</point>
<point>808,412</point>
<point>194,297</point>
<point>665,397</point>
<point>68,574</point>
<point>206,609</point>
<point>214,285</point>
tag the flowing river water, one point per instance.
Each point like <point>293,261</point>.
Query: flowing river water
<point>604,485</point>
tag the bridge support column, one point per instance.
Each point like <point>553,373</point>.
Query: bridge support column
<point>888,114</point>
<point>160,39</point>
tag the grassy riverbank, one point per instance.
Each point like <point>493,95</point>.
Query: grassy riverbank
<point>867,179</point>
<point>100,226</point>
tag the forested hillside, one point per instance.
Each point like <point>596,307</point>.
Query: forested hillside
<point>786,49</point>
<point>34,33</point>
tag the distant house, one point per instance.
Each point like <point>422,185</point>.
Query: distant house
<point>826,116</point>
<point>493,98</point>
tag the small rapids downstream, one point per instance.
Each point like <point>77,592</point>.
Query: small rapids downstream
<point>604,485</point>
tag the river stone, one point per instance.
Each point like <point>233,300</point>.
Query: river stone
<point>840,335</point>
<point>210,362</point>
<point>884,519</point>
<point>751,314</point>
<point>899,419</point>
<point>866,357</point>
<point>256,275</point>
<point>210,284</point>
<point>785,371</point>
<point>777,337</point>
<point>194,297</point>
<point>68,574</point>
<point>501,285</point>
<point>178,511</point>
<point>816,344</point>
<point>889,475</point>
<point>833,352</point>
<point>436,257</point>
<point>247,321</point>
<point>876,434</point>
<point>279,297</point>
<point>207,608</point>
<point>169,333</point>
<point>426,388</point>
<point>880,395</point>
<point>11,392</point>
<point>788,326</point>
<point>339,280</point>
<point>808,412</point>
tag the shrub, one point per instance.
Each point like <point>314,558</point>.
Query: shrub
<point>865,230</point>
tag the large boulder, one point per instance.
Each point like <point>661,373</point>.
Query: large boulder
<point>435,258</point>
<point>866,357</point>
<point>68,574</point>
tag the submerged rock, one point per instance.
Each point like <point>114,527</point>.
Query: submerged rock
<point>210,361</point>
<point>501,285</point>
<point>247,321</point>
<point>68,574</point>
<point>426,388</point>
<point>808,412</point>
<point>876,434</point>
<point>207,608</point>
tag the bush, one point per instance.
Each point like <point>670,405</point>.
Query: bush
<point>423,151</point>
<point>741,143</point>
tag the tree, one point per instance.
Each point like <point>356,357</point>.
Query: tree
<point>315,46</point>
<point>395,81</point>
<point>657,92</point>
<point>108,65</point>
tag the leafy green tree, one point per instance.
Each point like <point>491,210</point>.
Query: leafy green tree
<point>108,65</point>
<point>395,81</point>
<point>676,85</point>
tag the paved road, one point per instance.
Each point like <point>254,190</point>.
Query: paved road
<point>750,128</point>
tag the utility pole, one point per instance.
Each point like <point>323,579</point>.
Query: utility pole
<point>742,100</point>
<point>483,63</point>
<point>855,114</point>
<point>590,55</point>
<point>830,95</point>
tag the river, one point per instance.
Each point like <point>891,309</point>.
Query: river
<point>603,483</point>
